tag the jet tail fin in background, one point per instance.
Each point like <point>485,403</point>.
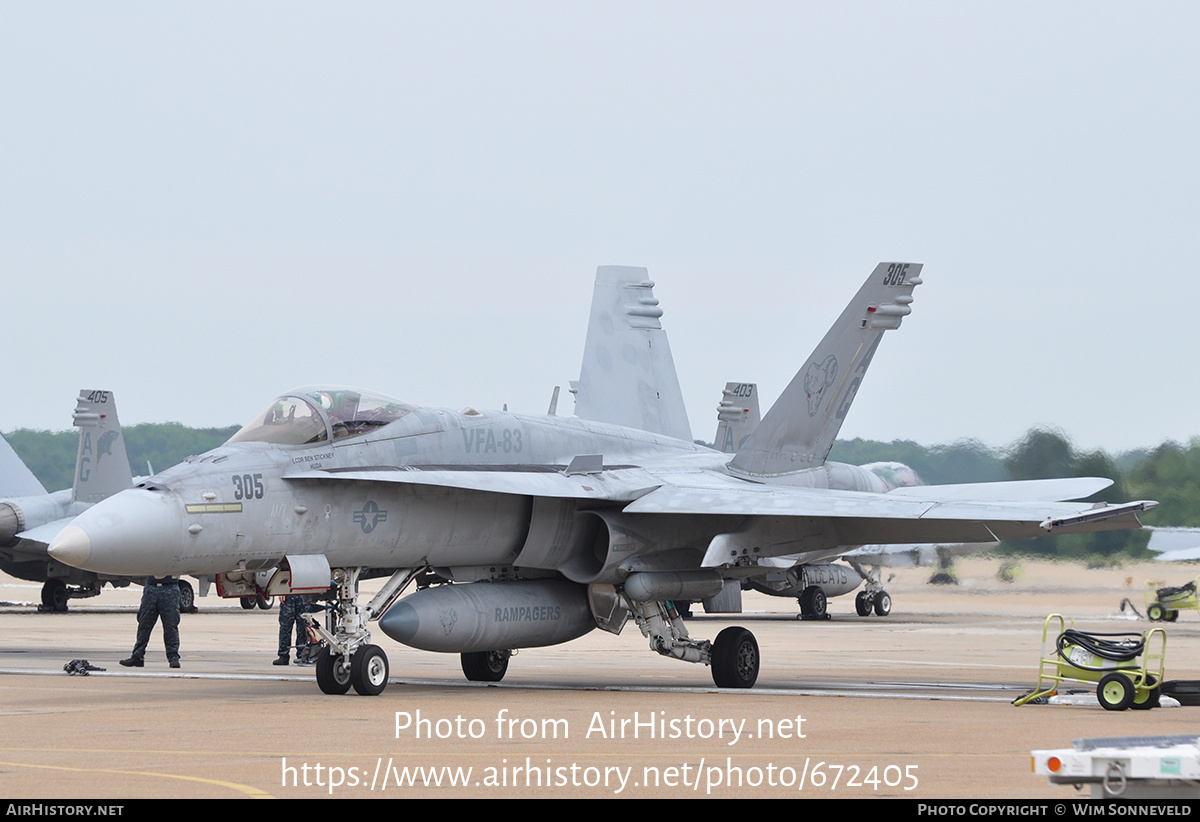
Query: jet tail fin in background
<point>798,431</point>
<point>16,480</point>
<point>628,376</point>
<point>737,416</point>
<point>101,466</point>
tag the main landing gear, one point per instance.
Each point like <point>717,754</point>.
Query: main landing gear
<point>813,603</point>
<point>872,597</point>
<point>733,656</point>
<point>486,666</point>
<point>347,658</point>
<point>56,593</point>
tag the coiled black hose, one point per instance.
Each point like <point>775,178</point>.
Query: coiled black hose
<point>1125,649</point>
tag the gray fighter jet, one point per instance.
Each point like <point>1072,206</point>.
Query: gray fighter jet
<point>30,518</point>
<point>526,531</point>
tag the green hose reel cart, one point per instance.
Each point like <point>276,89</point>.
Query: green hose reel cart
<point>1127,669</point>
<point>1163,603</point>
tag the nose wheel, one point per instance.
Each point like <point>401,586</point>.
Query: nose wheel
<point>333,674</point>
<point>369,670</point>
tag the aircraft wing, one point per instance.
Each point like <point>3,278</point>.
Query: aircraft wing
<point>919,515</point>
<point>1043,490</point>
<point>859,518</point>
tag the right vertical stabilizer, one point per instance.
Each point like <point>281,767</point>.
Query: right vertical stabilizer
<point>628,376</point>
<point>799,430</point>
<point>101,466</point>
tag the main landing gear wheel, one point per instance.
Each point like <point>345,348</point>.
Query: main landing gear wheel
<point>1115,692</point>
<point>1156,613</point>
<point>862,604</point>
<point>54,595</point>
<point>883,603</point>
<point>813,602</point>
<point>735,659</point>
<point>333,674</point>
<point>187,597</point>
<point>485,666</point>
<point>248,603</point>
<point>369,670</point>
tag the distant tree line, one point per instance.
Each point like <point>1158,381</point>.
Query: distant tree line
<point>50,455</point>
<point>1169,473</point>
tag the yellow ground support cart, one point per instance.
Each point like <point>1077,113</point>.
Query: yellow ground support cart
<point>1125,668</point>
<point>1164,603</point>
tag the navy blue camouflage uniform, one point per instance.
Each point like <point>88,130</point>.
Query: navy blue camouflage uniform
<point>160,600</point>
<point>289,614</point>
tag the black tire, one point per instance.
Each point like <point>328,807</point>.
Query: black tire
<point>883,603</point>
<point>813,602</point>
<point>369,670</point>
<point>54,595</point>
<point>1172,616</point>
<point>248,603</point>
<point>187,597</point>
<point>264,603</point>
<point>486,666</point>
<point>1115,692</point>
<point>735,659</point>
<point>1156,613</point>
<point>333,675</point>
<point>1152,697</point>
<point>862,604</point>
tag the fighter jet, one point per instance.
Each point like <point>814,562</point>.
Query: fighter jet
<point>526,531</point>
<point>1175,544</point>
<point>30,518</point>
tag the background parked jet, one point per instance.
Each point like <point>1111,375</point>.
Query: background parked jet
<point>16,480</point>
<point>525,531</point>
<point>30,518</point>
<point>1175,544</point>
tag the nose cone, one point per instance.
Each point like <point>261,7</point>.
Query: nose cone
<point>71,546</point>
<point>133,533</point>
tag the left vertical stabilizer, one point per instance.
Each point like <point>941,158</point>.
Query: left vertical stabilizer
<point>628,376</point>
<point>101,466</point>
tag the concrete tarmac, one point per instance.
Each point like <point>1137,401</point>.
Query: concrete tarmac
<point>915,705</point>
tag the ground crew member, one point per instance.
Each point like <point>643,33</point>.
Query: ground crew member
<point>160,600</point>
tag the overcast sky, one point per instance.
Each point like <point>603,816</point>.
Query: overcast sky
<point>203,205</point>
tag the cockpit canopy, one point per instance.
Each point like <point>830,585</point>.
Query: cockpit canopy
<point>320,414</point>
